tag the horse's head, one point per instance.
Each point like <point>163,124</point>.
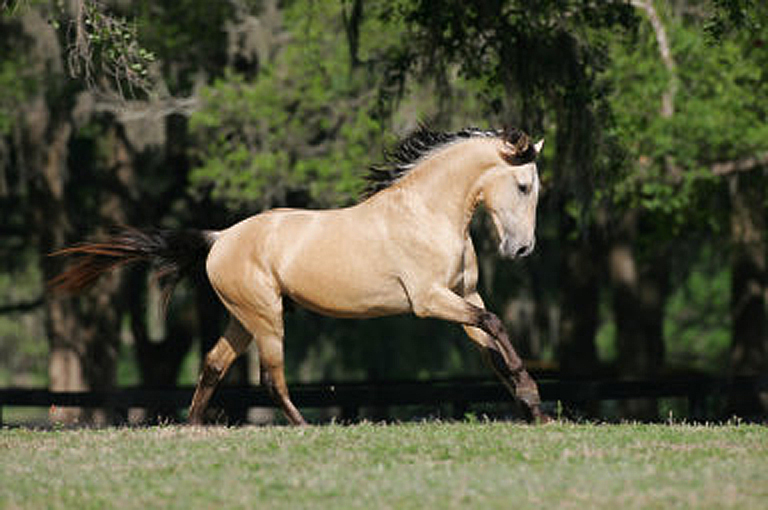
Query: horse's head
<point>510,191</point>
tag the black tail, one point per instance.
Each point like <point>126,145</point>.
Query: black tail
<point>175,254</point>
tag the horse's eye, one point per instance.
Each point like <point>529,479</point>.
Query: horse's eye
<point>524,188</point>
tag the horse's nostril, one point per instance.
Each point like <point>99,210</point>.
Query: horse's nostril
<point>522,251</point>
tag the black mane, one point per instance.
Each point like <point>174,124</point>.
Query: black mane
<point>423,140</point>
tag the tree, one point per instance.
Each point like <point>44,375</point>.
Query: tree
<point>80,158</point>
<point>742,24</point>
<point>300,132</point>
<point>655,140</point>
<point>38,166</point>
<point>672,143</point>
<point>539,67</point>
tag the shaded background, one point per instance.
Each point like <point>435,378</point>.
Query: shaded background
<point>651,253</point>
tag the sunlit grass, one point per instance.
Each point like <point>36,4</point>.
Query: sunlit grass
<point>426,465</point>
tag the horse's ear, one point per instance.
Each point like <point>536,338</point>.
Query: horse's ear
<point>538,146</point>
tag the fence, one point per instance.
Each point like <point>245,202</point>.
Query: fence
<point>460,394</point>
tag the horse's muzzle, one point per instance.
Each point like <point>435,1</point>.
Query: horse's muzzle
<point>514,250</point>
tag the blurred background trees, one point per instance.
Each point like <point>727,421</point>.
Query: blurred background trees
<point>652,226</point>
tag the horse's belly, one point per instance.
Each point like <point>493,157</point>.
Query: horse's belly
<point>348,296</point>
<point>325,261</point>
<point>334,262</point>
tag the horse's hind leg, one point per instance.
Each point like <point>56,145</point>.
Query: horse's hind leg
<point>263,318</point>
<point>232,344</point>
<point>271,359</point>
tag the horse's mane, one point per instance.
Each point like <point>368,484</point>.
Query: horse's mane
<point>423,141</point>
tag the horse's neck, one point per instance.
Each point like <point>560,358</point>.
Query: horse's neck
<point>447,182</point>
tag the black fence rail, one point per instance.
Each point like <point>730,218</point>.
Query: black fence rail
<point>460,394</point>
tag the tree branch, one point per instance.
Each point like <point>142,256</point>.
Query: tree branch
<point>106,46</point>
<point>151,109</point>
<point>24,306</point>
<point>668,98</point>
<point>741,165</point>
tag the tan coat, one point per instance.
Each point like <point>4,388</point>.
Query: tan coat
<point>405,249</point>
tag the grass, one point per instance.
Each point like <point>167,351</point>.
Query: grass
<point>426,465</point>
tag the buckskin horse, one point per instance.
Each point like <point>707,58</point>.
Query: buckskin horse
<point>405,248</point>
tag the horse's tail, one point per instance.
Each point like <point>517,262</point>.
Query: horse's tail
<point>174,253</point>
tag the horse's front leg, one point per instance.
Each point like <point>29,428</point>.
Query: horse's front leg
<point>486,329</point>
<point>501,356</point>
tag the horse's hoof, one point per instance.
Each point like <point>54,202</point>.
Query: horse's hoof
<point>539,418</point>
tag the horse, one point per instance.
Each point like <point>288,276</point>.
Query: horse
<point>404,248</point>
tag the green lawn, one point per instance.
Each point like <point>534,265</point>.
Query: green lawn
<point>426,465</point>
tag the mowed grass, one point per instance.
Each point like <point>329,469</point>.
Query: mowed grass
<point>424,465</point>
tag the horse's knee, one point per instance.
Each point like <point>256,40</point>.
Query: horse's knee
<point>490,323</point>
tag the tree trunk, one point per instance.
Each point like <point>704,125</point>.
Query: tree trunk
<point>640,287</point>
<point>48,222</point>
<point>580,284</point>
<point>159,359</point>
<point>82,332</point>
<point>748,287</point>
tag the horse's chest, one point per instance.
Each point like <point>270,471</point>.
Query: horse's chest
<point>437,259</point>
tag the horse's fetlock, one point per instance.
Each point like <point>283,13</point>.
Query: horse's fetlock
<point>528,397</point>
<point>527,392</point>
<point>268,382</point>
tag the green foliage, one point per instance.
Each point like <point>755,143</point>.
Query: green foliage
<point>188,37</point>
<point>697,329</point>
<point>301,127</point>
<point>722,112</point>
<point>16,85</point>
<point>23,346</point>
<point>697,326</point>
<point>103,45</point>
<point>302,130</point>
<point>527,59</point>
<point>735,15</point>
<point>13,7</point>
<point>719,115</point>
